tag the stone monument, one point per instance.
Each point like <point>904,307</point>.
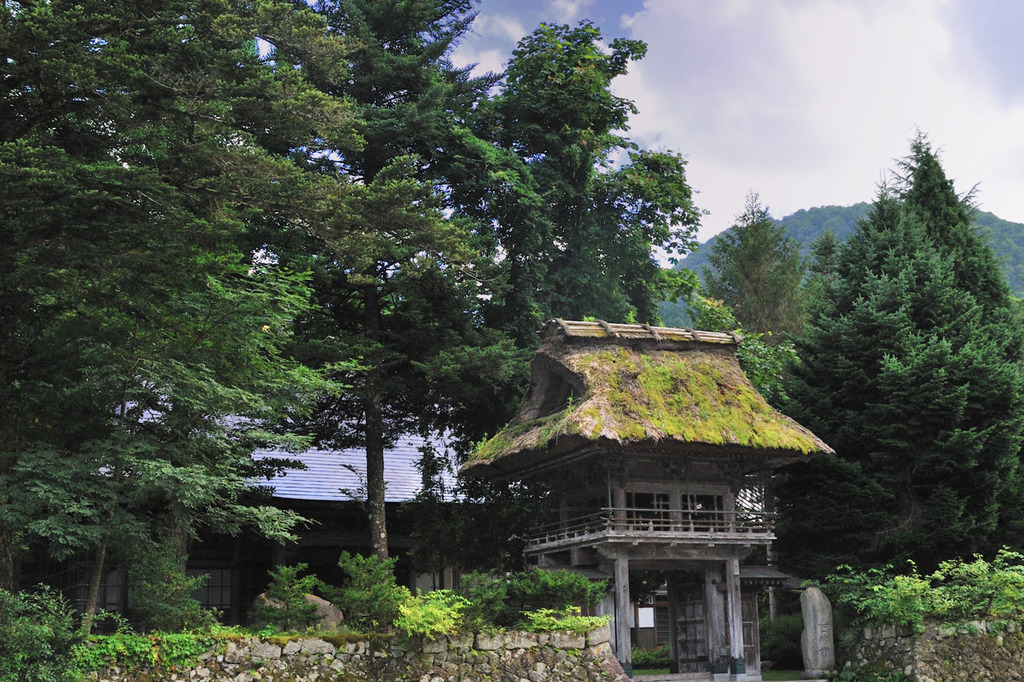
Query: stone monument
<point>816,641</point>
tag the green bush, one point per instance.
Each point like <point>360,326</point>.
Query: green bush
<point>651,658</point>
<point>502,600</point>
<point>370,598</point>
<point>162,595</point>
<point>134,650</point>
<point>979,589</point>
<point>285,606</point>
<point>566,619</point>
<point>431,614</point>
<point>957,592</point>
<point>542,589</point>
<point>486,594</point>
<point>780,641</point>
<point>37,636</point>
<point>878,596</point>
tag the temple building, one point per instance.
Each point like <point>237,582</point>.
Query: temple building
<point>656,450</point>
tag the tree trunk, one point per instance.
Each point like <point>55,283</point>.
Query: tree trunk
<point>6,557</point>
<point>375,483</point>
<point>95,580</point>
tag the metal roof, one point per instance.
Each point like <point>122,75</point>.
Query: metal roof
<point>338,475</point>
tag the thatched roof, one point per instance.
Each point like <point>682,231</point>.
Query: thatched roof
<point>639,388</point>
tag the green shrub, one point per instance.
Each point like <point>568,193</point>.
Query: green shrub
<point>486,594</point>
<point>285,606</point>
<point>537,588</point>
<point>877,596</point>
<point>979,589</point>
<point>502,600</point>
<point>370,598</point>
<point>162,595</point>
<point>780,641</point>
<point>567,619</point>
<point>651,658</point>
<point>134,650</point>
<point>958,591</point>
<point>37,636</point>
<point>431,614</point>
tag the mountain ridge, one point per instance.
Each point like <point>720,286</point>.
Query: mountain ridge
<point>1005,237</point>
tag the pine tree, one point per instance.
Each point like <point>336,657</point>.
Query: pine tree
<point>757,270</point>
<point>909,369</point>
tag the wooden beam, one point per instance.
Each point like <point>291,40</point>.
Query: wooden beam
<point>732,583</point>
<point>622,612</point>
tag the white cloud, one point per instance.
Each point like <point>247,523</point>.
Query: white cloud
<point>808,101</point>
<point>566,11</point>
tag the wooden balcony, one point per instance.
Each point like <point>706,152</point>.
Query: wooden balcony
<point>650,526</point>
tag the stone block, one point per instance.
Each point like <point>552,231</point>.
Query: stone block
<point>317,646</point>
<point>486,641</point>
<point>265,650</point>
<point>435,646</point>
<point>568,640</point>
<point>520,640</point>
<point>599,636</point>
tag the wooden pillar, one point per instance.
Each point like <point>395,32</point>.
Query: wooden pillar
<point>673,622</point>
<point>714,619</point>
<point>622,610</point>
<point>737,664</point>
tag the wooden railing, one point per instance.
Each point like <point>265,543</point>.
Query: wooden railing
<point>655,525</point>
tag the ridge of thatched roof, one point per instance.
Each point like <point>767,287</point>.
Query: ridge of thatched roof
<point>635,386</point>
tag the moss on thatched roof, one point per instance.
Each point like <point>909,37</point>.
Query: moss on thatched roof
<point>628,385</point>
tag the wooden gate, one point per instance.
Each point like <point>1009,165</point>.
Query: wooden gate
<point>691,630</point>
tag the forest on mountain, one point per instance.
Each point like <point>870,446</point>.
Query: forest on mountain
<point>806,225</point>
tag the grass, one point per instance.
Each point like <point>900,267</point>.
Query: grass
<point>766,675</point>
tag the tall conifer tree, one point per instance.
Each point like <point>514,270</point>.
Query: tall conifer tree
<point>910,370</point>
<point>756,269</point>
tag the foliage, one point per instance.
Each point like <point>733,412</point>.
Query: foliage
<point>757,270</point>
<point>957,592</point>
<point>37,636</point>
<point>978,589</point>
<point>370,598</point>
<point>567,620</point>
<point>487,595</point>
<point>145,323</point>
<point>578,229</point>
<point>909,370</point>
<point>440,612</point>
<point>878,596</point>
<point>849,675</point>
<point>161,594</point>
<point>503,599</point>
<point>397,272</point>
<point>130,649</point>
<point>780,641</point>
<point>284,604</point>
<point>537,588</point>
<point>651,658</point>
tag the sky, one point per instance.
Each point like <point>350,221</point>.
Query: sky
<point>806,102</point>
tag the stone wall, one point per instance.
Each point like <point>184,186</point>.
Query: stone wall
<point>500,657</point>
<point>969,653</point>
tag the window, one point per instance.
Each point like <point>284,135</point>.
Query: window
<point>217,592</point>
